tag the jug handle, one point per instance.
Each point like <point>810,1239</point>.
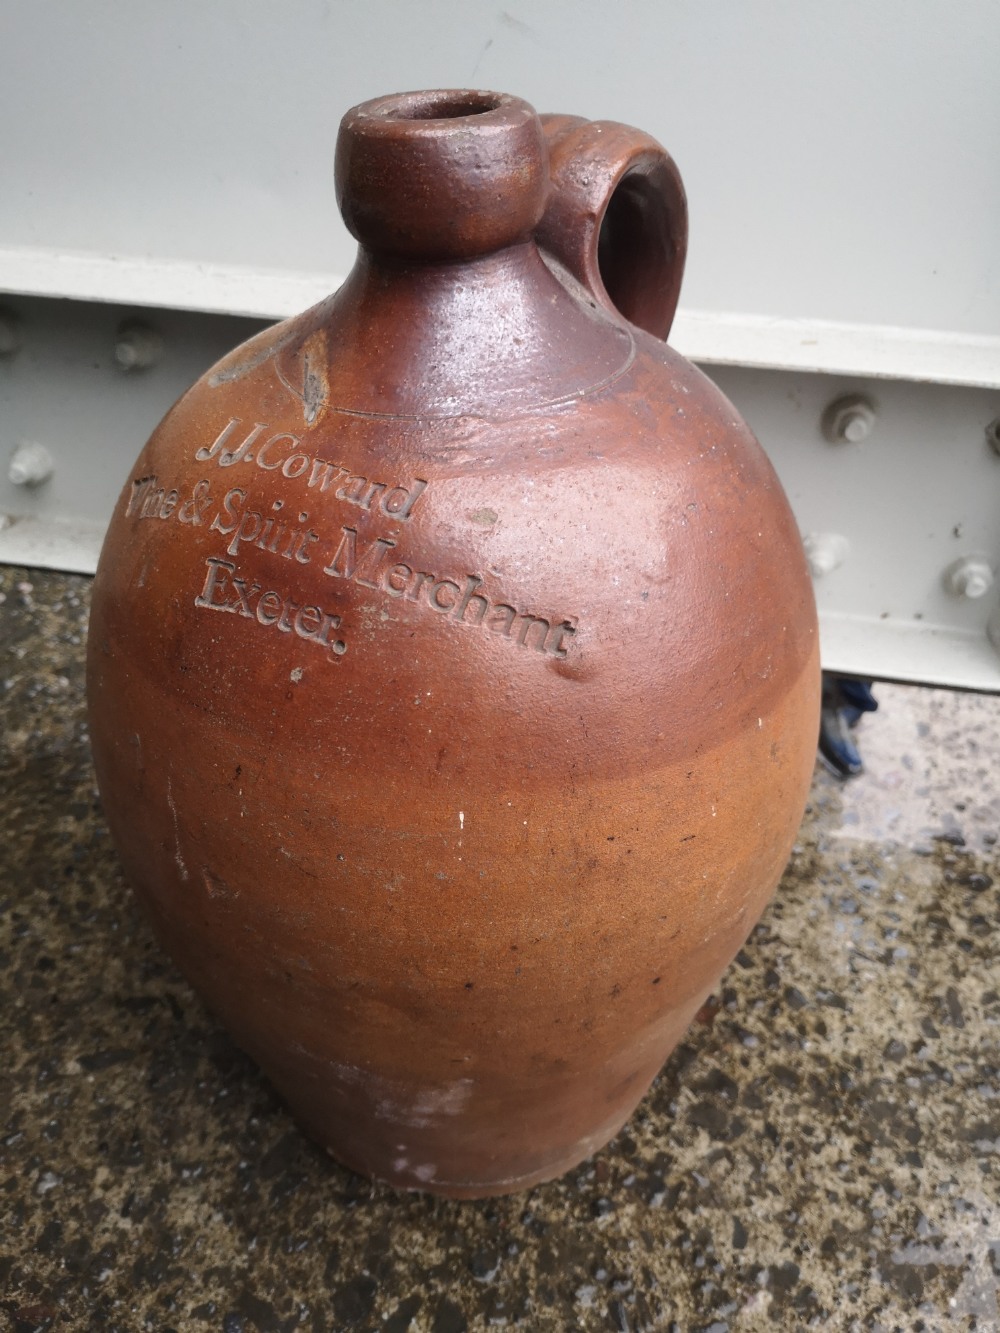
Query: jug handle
<point>616,217</point>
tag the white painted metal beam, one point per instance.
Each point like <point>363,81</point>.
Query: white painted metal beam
<point>711,337</point>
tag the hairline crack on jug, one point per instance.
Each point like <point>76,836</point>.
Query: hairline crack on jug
<point>453,667</point>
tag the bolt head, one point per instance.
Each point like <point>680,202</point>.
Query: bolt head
<point>848,420</point>
<point>825,552</point>
<point>137,347</point>
<point>972,576</point>
<point>30,465</point>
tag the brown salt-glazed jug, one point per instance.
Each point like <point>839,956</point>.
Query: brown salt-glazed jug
<point>453,660</point>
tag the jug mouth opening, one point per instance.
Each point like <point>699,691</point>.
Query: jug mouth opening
<point>441,106</point>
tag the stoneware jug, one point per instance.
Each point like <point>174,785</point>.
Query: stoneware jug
<point>453,660</point>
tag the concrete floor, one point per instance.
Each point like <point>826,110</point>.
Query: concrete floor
<point>822,1151</point>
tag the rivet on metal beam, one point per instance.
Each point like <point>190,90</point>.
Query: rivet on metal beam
<point>972,576</point>
<point>31,464</point>
<point>825,552</point>
<point>137,347</point>
<point>848,420</point>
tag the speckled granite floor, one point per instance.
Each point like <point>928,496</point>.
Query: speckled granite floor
<point>822,1151</point>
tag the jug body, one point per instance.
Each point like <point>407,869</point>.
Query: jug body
<point>453,666</point>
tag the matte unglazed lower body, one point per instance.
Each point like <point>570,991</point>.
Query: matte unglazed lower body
<point>475,1034</point>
